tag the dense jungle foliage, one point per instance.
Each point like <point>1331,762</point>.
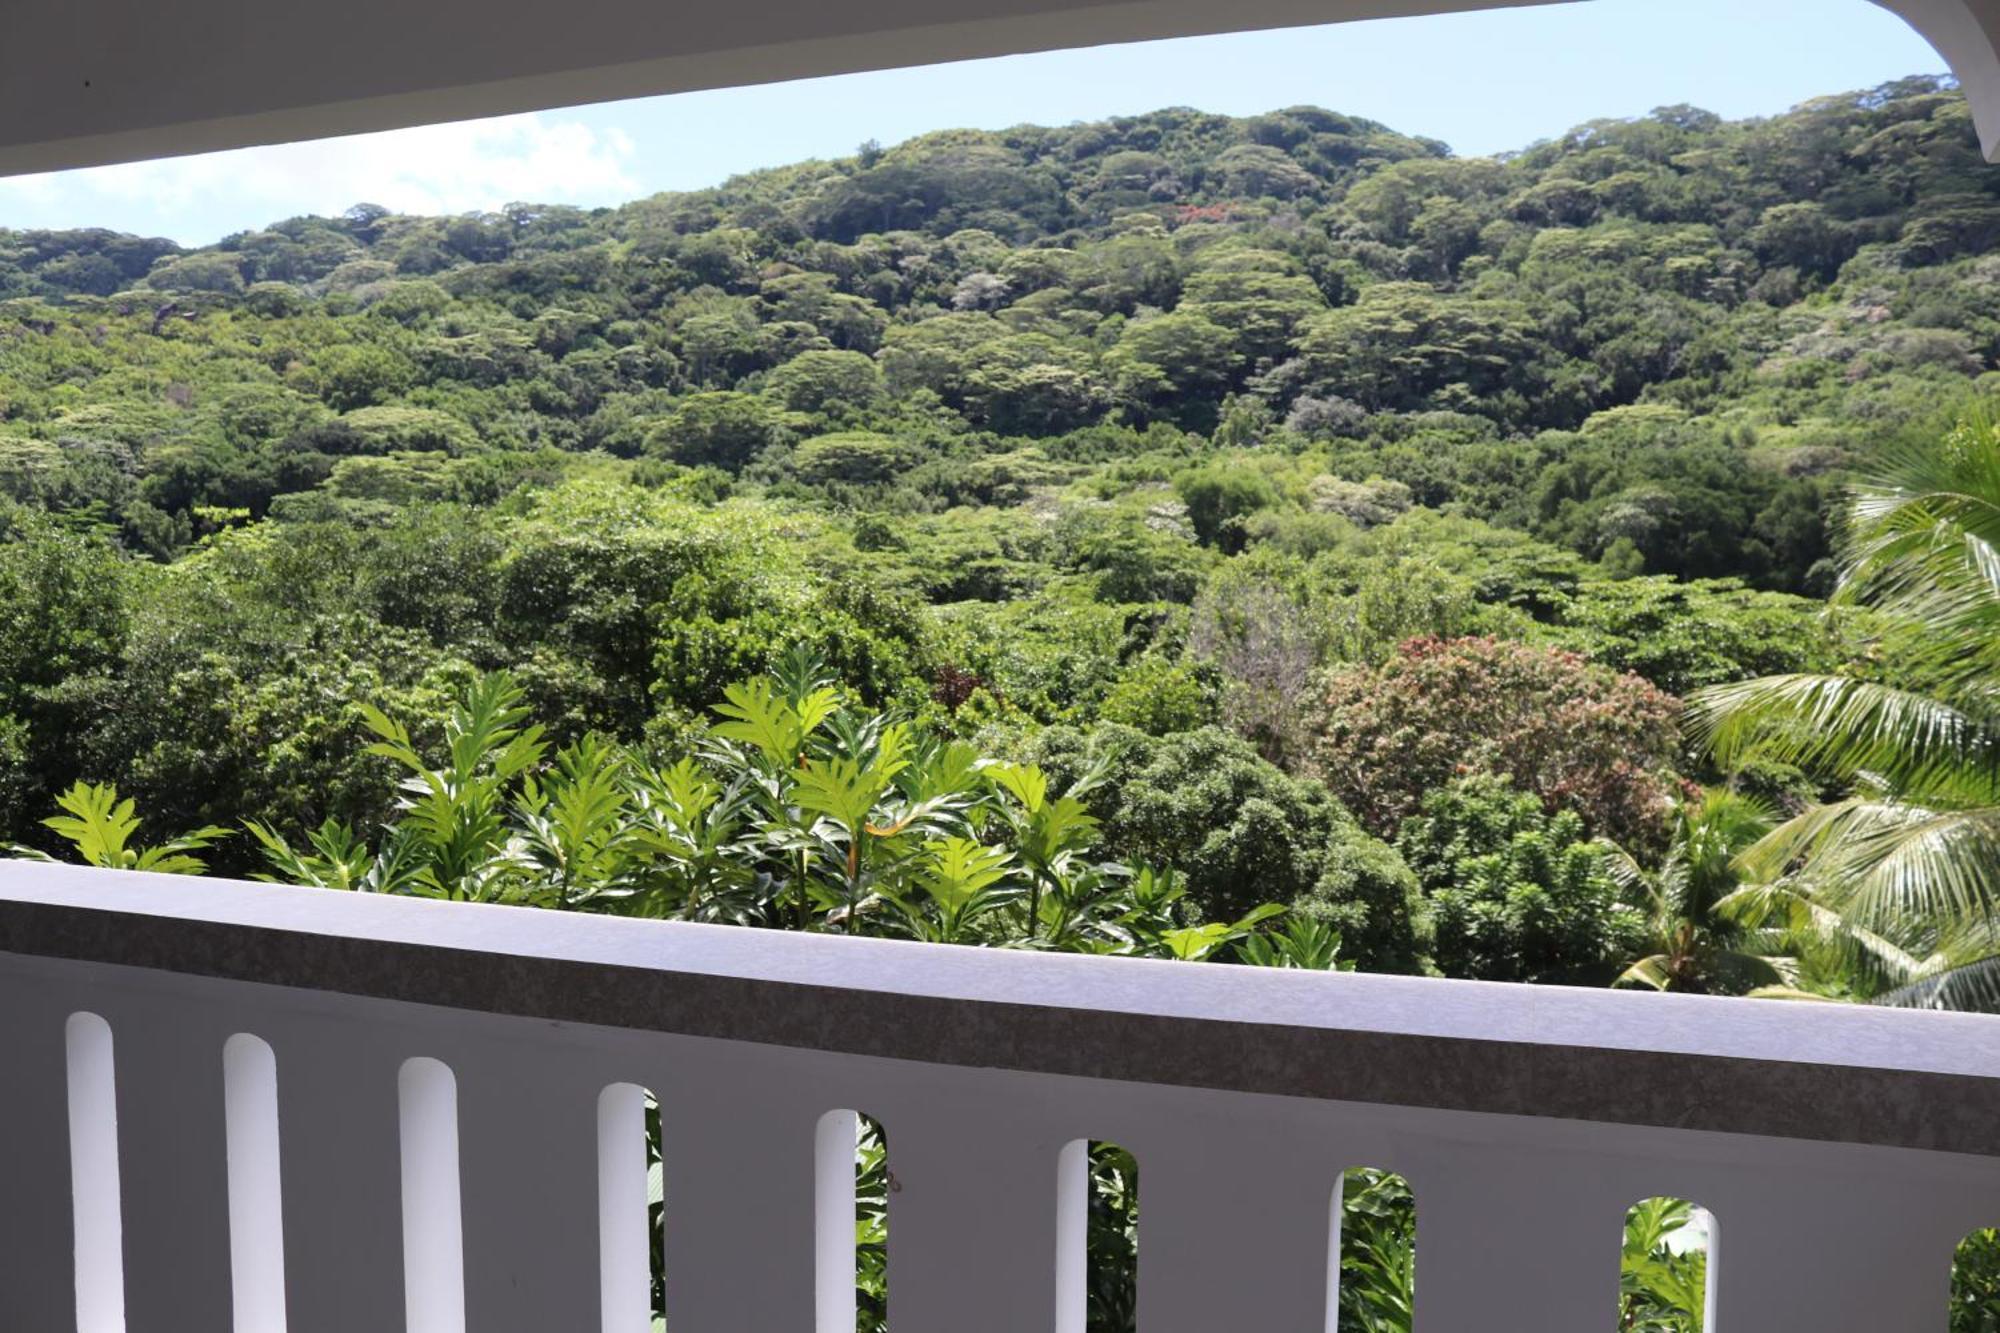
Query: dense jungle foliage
<point>1271,540</point>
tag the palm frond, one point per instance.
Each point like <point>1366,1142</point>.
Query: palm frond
<point>1840,727</point>
<point>1973,987</point>
<point>1651,972</point>
<point>1887,863</point>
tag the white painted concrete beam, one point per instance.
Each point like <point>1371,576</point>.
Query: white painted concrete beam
<point>89,82</point>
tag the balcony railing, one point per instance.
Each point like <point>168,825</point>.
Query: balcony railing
<point>235,1106</point>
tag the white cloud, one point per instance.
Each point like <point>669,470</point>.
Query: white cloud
<point>430,169</point>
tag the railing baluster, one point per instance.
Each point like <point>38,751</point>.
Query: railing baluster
<point>528,1180</point>
<point>256,1190</point>
<point>95,1205</point>
<point>972,1224</point>
<point>339,1142</point>
<point>1072,1207</point>
<point>1508,1238</point>
<point>173,1167</point>
<point>625,1245</point>
<point>738,1154</point>
<point>38,1278</point>
<point>836,1145</point>
<point>433,1213</point>
<point>1232,1233</point>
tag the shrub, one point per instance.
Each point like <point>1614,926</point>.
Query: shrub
<point>1366,892</point>
<point>1159,697</point>
<point>1516,894</point>
<point>1243,832</point>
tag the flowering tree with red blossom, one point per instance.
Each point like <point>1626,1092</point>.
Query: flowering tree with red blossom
<point>1578,735</point>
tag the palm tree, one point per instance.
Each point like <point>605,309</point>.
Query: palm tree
<point>1903,868</point>
<point>1707,936</point>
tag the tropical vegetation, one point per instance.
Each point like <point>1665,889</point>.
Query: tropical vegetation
<point>1271,541</point>
<point>1900,872</point>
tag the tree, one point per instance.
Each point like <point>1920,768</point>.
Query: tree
<point>720,429</point>
<point>858,457</point>
<point>828,382</point>
<point>1373,902</point>
<point>1258,638</point>
<point>717,341</point>
<point>361,375</point>
<point>393,429</point>
<point>1132,560</point>
<point>1257,299</point>
<point>1159,697</point>
<point>198,273</point>
<point>1405,346</point>
<point>1031,384</point>
<point>1685,635</point>
<point>1803,236</point>
<point>1219,498</point>
<point>1703,935</point>
<point>1179,359</point>
<point>65,613</point>
<point>1253,170</point>
<point>1910,849</point>
<point>1577,736</point>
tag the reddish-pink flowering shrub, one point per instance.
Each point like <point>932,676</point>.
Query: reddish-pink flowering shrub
<point>1578,735</point>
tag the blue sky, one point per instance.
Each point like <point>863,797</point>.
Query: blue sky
<point>1482,82</point>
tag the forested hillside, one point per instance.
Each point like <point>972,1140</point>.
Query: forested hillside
<point>1275,541</point>
<point>1363,510</point>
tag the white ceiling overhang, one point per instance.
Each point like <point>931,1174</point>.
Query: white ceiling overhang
<point>87,82</point>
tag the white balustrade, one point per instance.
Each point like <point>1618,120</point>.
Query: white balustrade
<point>295,1111</point>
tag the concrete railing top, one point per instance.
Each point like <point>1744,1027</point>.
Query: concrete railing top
<point>1808,1071</point>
